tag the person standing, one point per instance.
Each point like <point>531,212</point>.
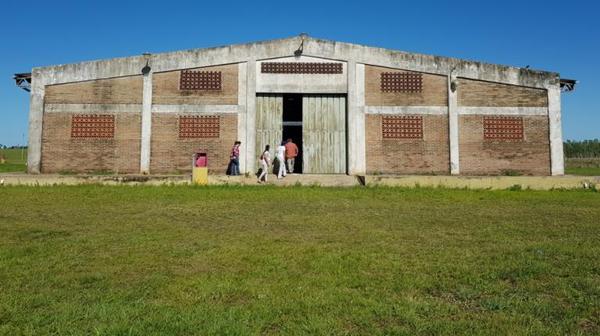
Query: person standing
<point>234,159</point>
<point>265,162</point>
<point>281,160</point>
<point>291,152</point>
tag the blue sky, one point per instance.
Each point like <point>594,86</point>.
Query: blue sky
<point>562,36</point>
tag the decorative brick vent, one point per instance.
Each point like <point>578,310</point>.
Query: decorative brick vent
<point>191,127</point>
<point>401,82</point>
<point>200,80</point>
<point>93,126</point>
<point>503,128</point>
<point>402,127</point>
<point>301,68</point>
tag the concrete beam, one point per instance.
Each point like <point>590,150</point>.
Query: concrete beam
<point>241,126</point>
<point>36,116</point>
<point>453,125</point>
<point>512,111</point>
<point>205,109</point>
<point>407,110</point>
<point>146,124</point>
<point>356,119</point>
<point>555,123</point>
<point>93,108</point>
<point>285,47</point>
<point>250,164</point>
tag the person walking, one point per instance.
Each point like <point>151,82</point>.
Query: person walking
<point>281,160</point>
<point>291,152</point>
<point>234,159</point>
<point>265,162</point>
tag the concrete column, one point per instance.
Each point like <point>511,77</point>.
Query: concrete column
<point>557,160</point>
<point>356,119</point>
<point>250,116</point>
<point>36,116</point>
<point>453,125</point>
<point>241,127</point>
<point>146,124</point>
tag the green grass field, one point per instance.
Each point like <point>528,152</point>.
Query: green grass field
<point>266,260</point>
<point>582,166</point>
<point>15,160</point>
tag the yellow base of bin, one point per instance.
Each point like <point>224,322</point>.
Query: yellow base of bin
<point>200,175</point>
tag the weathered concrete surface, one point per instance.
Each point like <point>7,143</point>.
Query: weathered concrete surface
<point>290,180</point>
<point>409,110</point>
<point>146,124</point>
<point>314,47</point>
<point>488,182</point>
<point>557,159</point>
<point>241,126</point>
<point>453,131</point>
<point>55,179</point>
<point>301,83</point>
<point>473,182</point>
<point>356,119</point>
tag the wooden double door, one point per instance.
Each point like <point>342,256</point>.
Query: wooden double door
<point>323,130</point>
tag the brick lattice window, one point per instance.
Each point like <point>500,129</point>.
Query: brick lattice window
<point>93,126</point>
<point>191,127</point>
<point>407,82</point>
<point>200,80</point>
<point>301,68</point>
<point>402,127</point>
<point>503,128</point>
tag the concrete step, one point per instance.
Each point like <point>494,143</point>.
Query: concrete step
<point>470,182</point>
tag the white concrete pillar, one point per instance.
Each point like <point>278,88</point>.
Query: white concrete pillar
<point>356,119</point>
<point>557,160</point>
<point>250,116</point>
<point>453,124</point>
<point>241,116</point>
<point>146,124</point>
<point>36,117</point>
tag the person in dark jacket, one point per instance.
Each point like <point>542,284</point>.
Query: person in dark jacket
<point>234,159</point>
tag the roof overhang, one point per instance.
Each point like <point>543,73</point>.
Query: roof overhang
<point>567,85</point>
<point>23,80</point>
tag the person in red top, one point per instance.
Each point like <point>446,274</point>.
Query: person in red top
<point>291,151</point>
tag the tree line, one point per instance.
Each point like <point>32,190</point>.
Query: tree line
<point>12,147</point>
<point>582,149</point>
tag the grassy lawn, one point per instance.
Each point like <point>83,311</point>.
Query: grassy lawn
<point>582,166</point>
<point>252,260</point>
<point>16,160</point>
<point>585,171</point>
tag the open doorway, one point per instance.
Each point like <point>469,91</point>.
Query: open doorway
<point>292,124</point>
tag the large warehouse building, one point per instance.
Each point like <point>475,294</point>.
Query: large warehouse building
<point>351,109</point>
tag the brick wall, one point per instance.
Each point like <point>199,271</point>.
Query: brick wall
<point>169,154</point>
<point>61,153</point>
<point>491,157</point>
<point>165,88</point>
<point>429,155</point>
<point>479,93</point>
<point>124,90</point>
<point>434,92</point>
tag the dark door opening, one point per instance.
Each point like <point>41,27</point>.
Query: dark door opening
<point>292,124</point>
